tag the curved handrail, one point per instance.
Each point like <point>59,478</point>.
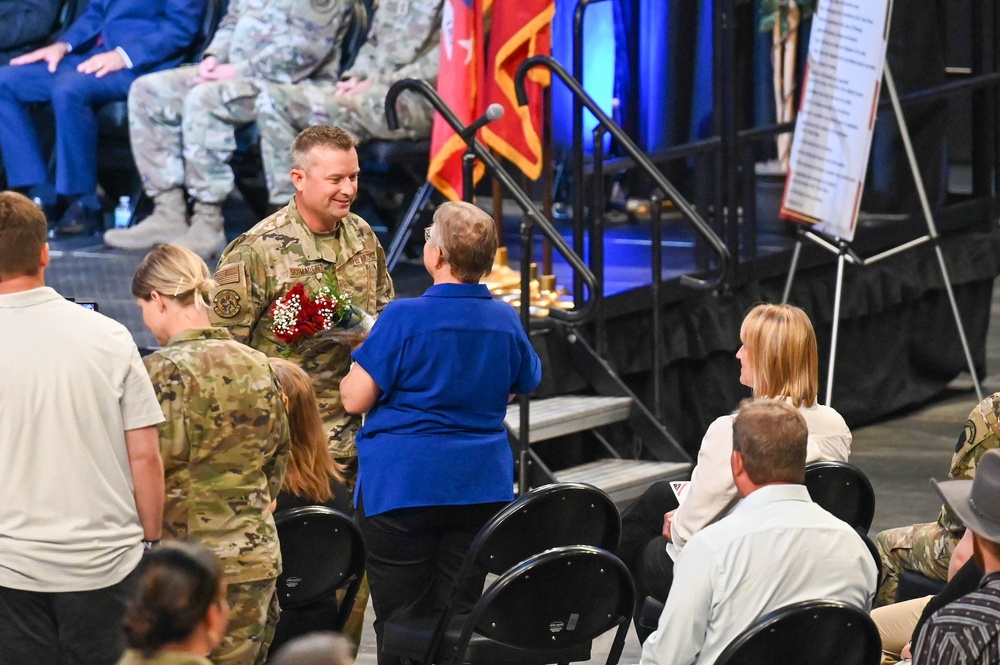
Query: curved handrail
<point>700,226</point>
<point>423,88</point>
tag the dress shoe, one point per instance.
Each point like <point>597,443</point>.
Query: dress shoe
<point>79,220</point>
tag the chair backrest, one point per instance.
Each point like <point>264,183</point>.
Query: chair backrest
<point>555,600</point>
<point>814,632</point>
<point>550,516</point>
<point>360,22</point>
<point>69,12</point>
<point>842,490</point>
<point>321,551</point>
<point>873,550</point>
<point>214,11</point>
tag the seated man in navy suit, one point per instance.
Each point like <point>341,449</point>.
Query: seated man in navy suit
<point>94,62</point>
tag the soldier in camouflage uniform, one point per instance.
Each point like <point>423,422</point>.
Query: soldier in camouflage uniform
<point>224,444</point>
<point>927,548</point>
<point>403,43</point>
<point>314,238</point>
<point>182,121</point>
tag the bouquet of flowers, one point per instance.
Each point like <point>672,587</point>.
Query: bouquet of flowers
<point>298,316</point>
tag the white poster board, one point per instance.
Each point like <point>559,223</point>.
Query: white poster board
<point>833,133</point>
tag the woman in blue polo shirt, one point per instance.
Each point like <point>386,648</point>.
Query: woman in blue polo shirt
<point>435,376</point>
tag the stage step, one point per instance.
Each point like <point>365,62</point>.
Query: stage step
<point>624,479</point>
<point>567,414</point>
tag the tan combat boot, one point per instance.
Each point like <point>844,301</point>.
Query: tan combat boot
<point>205,236</point>
<point>167,223</point>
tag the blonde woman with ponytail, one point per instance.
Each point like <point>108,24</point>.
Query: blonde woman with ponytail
<point>224,443</point>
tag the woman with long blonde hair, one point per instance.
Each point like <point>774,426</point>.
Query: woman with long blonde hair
<point>779,359</point>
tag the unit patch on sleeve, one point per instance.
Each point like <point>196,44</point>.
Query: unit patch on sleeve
<point>227,302</point>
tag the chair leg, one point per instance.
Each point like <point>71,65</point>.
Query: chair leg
<point>404,230</point>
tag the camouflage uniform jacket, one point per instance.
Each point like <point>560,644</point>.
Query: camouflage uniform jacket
<point>283,41</point>
<point>403,43</point>
<point>264,263</point>
<point>981,433</point>
<point>224,446</point>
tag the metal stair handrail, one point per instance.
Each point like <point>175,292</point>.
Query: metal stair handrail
<point>534,217</point>
<point>641,160</point>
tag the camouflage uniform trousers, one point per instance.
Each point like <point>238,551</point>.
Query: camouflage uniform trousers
<point>284,110</point>
<point>923,548</point>
<point>253,616</point>
<point>182,130</point>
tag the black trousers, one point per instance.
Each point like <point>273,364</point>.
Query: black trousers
<point>414,556</point>
<point>72,628</point>
<point>643,548</point>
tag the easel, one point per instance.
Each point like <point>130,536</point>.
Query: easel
<point>845,253</point>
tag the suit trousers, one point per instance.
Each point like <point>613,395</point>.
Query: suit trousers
<point>74,98</point>
<point>414,556</point>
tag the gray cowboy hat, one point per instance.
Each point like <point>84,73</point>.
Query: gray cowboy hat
<point>977,502</point>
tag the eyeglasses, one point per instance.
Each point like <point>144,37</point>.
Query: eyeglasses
<point>427,233</point>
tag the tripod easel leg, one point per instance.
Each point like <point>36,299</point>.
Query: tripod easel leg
<point>918,180</point>
<point>791,268</point>
<point>841,259</point>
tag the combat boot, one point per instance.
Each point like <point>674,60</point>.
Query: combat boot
<point>205,237</point>
<point>167,223</point>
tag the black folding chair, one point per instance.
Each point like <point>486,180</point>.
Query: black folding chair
<point>322,553</point>
<point>546,609</point>
<point>814,632</point>
<point>552,516</point>
<point>844,491</point>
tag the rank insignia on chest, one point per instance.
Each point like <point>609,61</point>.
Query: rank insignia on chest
<point>300,271</point>
<point>227,303</point>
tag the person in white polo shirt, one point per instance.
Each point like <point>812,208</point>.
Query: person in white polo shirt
<point>82,476</point>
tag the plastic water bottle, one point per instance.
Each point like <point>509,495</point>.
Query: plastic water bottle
<point>123,212</point>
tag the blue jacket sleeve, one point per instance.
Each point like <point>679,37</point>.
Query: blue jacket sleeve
<point>529,373</point>
<point>87,26</point>
<point>176,32</point>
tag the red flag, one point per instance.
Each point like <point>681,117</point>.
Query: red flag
<point>458,84</point>
<point>520,29</point>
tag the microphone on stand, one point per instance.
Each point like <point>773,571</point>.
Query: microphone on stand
<point>493,112</point>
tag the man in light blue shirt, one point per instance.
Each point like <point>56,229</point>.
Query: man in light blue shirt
<point>776,548</point>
